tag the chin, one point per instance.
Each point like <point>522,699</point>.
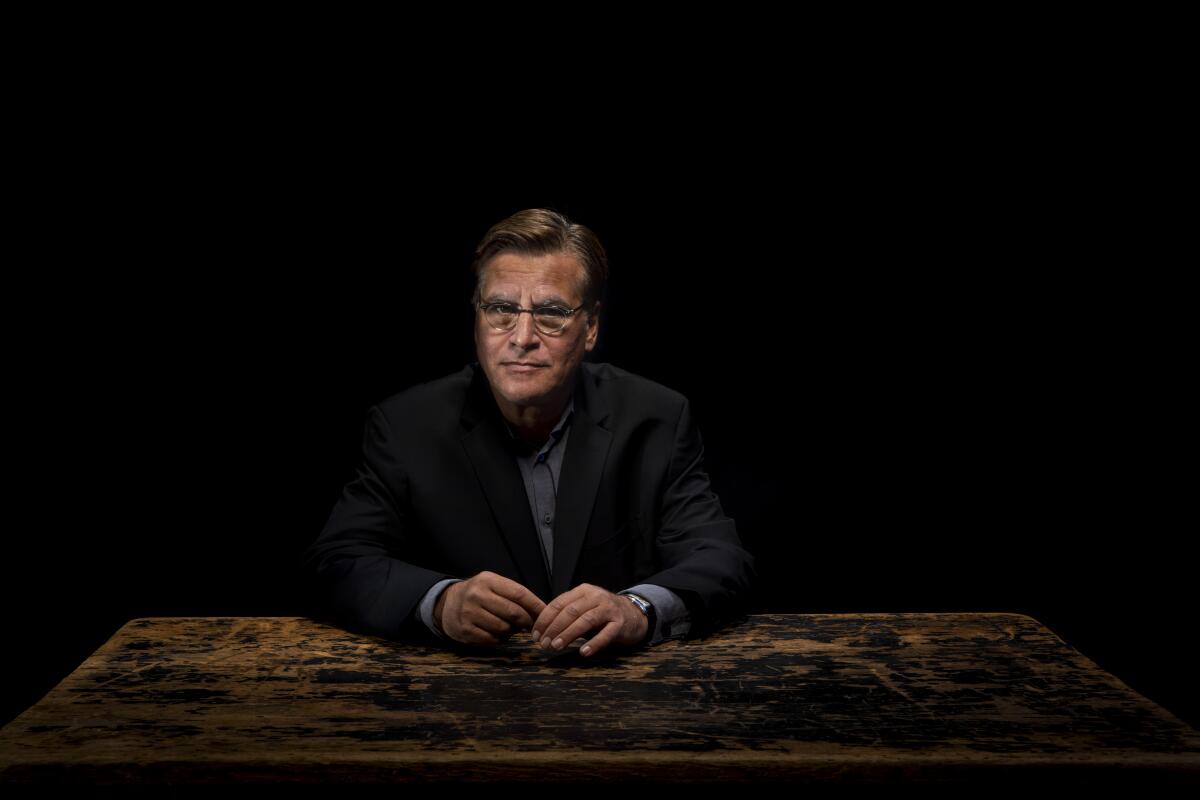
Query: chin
<point>523,397</point>
<point>515,393</point>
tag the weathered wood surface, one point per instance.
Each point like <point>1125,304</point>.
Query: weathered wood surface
<point>774,698</point>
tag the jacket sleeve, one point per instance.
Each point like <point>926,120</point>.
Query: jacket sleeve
<point>674,621</point>
<point>354,574</point>
<point>701,555</point>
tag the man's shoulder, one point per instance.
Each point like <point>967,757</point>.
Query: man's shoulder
<point>615,379</point>
<point>626,391</point>
<point>444,394</point>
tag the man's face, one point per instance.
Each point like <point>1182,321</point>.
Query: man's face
<point>529,282</point>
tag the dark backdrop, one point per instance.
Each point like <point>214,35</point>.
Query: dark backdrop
<point>919,383</point>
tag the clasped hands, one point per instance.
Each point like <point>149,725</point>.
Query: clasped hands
<point>488,608</point>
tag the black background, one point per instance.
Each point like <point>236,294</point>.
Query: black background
<point>923,370</point>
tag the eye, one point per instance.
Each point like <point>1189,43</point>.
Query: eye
<point>552,312</point>
<point>504,308</point>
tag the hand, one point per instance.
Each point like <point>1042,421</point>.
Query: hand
<point>485,609</point>
<point>585,608</point>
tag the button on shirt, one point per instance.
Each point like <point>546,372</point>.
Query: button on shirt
<point>540,470</point>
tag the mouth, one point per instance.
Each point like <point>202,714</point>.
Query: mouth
<point>517,366</point>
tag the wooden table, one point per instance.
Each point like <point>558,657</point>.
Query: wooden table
<point>778,698</point>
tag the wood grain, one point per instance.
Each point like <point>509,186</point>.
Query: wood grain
<point>937,697</point>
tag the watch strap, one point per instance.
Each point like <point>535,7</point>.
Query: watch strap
<point>647,608</point>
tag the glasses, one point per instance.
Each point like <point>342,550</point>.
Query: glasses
<point>547,319</point>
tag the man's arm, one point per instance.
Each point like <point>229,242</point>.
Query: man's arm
<point>674,621</point>
<point>429,601</point>
<point>703,560</point>
<point>353,574</point>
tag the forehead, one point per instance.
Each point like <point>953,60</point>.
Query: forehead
<point>552,274</point>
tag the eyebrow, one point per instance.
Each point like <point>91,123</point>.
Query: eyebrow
<point>549,301</point>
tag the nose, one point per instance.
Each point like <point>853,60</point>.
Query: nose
<point>524,335</point>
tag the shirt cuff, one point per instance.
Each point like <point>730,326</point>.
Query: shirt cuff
<point>425,609</point>
<point>674,621</point>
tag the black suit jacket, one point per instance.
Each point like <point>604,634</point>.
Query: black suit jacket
<point>438,494</point>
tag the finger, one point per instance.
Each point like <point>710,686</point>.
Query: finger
<point>580,624</point>
<point>506,609</point>
<point>555,617</point>
<point>486,592</point>
<point>543,621</point>
<point>476,635</point>
<point>549,614</point>
<point>528,602</point>
<point>469,631</point>
<point>601,640</point>
<point>483,619</point>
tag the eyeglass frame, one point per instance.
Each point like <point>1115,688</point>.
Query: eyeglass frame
<point>570,312</point>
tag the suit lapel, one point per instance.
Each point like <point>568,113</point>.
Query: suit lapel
<point>582,468</point>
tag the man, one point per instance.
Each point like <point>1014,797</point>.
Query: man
<point>531,490</point>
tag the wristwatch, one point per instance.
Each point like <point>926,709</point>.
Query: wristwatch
<point>647,608</point>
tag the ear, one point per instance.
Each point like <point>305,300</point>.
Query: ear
<point>593,328</point>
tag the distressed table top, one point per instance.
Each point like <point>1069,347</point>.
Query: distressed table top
<point>772,698</point>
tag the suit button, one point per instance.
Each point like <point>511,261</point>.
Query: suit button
<point>547,519</point>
